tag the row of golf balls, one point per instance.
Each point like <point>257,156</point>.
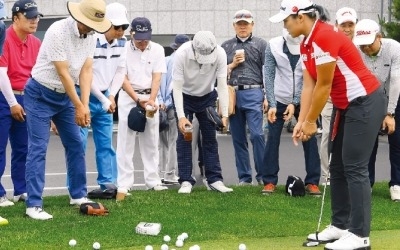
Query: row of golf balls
<point>96,245</point>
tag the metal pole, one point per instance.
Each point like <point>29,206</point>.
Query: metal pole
<point>390,10</point>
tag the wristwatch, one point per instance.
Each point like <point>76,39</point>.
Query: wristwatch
<point>390,114</point>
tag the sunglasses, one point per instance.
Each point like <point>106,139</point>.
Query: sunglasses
<point>243,15</point>
<point>124,27</point>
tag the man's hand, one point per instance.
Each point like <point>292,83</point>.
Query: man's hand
<point>182,123</point>
<point>272,115</point>
<point>53,128</point>
<point>113,105</point>
<point>82,116</point>
<point>389,123</point>
<point>163,107</point>
<point>287,115</point>
<point>265,106</point>
<point>18,112</point>
<point>153,104</point>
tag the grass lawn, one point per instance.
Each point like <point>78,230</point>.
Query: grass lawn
<point>213,220</point>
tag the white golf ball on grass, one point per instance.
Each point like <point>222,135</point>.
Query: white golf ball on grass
<point>167,238</point>
<point>96,245</point>
<point>185,236</point>
<point>72,243</point>
<point>164,247</point>
<point>242,247</point>
<point>148,247</point>
<point>179,243</point>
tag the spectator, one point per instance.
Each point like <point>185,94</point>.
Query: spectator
<point>3,221</point>
<point>346,19</point>
<point>245,74</point>
<point>283,84</point>
<point>198,64</point>
<point>20,43</point>
<point>108,75</point>
<point>145,64</point>
<point>382,57</point>
<point>332,65</point>
<point>168,158</point>
<point>65,57</point>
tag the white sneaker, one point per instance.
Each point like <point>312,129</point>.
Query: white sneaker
<point>4,202</point>
<point>220,187</point>
<point>395,193</point>
<point>159,187</point>
<point>79,201</point>
<point>21,197</point>
<point>186,188</point>
<point>3,221</point>
<point>171,179</point>
<point>38,213</point>
<point>329,234</point>
<point>350,241</point>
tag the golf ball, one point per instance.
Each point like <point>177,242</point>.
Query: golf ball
<point>167,238</point>
<point>164,247</point>
<point>96,245</point>
<point>180,237</point>
<point>148,247</point>
<point>179,243</point>
<point>242,247</point>
<point>72,243</point>
<point>195,247</point>
<point>185,235</point>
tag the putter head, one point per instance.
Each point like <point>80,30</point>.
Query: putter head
<point>310,244</point>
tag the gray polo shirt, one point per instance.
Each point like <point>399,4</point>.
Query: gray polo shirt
<point>250,72</point>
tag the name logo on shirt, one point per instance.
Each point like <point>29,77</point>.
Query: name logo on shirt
<point>319,56</point>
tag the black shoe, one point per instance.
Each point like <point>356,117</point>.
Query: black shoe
<point>102,194</point>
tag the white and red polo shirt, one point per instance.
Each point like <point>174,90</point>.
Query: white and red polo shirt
<point>352,78</point>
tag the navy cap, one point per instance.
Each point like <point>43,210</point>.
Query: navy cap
<point>179,40</point>
<point>27,7</point>
<point>142,28</point>
<point>137,119</point>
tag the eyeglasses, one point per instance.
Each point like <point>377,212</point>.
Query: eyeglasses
<point>243,15</point>
<point>124,27</point>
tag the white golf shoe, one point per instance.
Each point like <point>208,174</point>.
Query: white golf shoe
<point>329,234</point>
<point>38,213</point>
<point>395,193</point>
<point>4,202</point>
<point>186,188</point>
<point>20,197</point>
<point>220,187</point>
<point>350,241</point>
<point>79,201</point>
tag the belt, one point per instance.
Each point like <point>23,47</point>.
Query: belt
<point>18,92</point>
<point>103,92</point>
<point>243,87</point>
<point>143,91</point>
<point>58,90</point>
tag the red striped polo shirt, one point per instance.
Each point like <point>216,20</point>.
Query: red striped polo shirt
<point>352,78</point>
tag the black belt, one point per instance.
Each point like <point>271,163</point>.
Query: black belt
<point>143,91</point>
<point>244,87</point>
<point>103,92</point>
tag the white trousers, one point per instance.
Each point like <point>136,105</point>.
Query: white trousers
<point>323,150</point>
<point>148,145</point>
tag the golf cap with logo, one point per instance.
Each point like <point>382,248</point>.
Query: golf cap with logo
<point>90,13</point>
<point>204,45</point>
<point>293,43</point>
<point>243,15</point>
<point>28,8</point>
<point>292,7</point>
<point>116,13</point>
<point>179,40</point>
<point>365,32</point>
<point>346,14</point>
<point>142,28</point>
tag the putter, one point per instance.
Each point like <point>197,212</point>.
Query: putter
<point>316,243</point>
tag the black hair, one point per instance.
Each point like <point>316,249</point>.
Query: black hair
<point>323,13</point>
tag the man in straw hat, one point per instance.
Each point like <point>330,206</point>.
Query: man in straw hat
<point>65,58</point>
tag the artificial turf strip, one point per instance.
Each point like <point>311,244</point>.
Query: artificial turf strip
<point>213,220</point>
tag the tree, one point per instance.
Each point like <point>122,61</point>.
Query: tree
<point>392,29</point>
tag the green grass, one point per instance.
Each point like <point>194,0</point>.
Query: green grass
<point>213,220</point>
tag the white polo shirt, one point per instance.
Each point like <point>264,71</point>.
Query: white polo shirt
<point>62,42</point>
<point>141,65</point>
<point>107,58</point>
<point>198,80</point>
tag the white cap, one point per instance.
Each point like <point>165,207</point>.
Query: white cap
<point>346,14</point>
<point>290,7</point>
<point>293,43</point>
<point>365,32</point>
<point>117,14</point>
<point>205,45</point>
<point>243,15</point>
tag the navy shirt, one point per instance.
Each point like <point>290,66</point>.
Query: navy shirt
<point>250,72</point>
